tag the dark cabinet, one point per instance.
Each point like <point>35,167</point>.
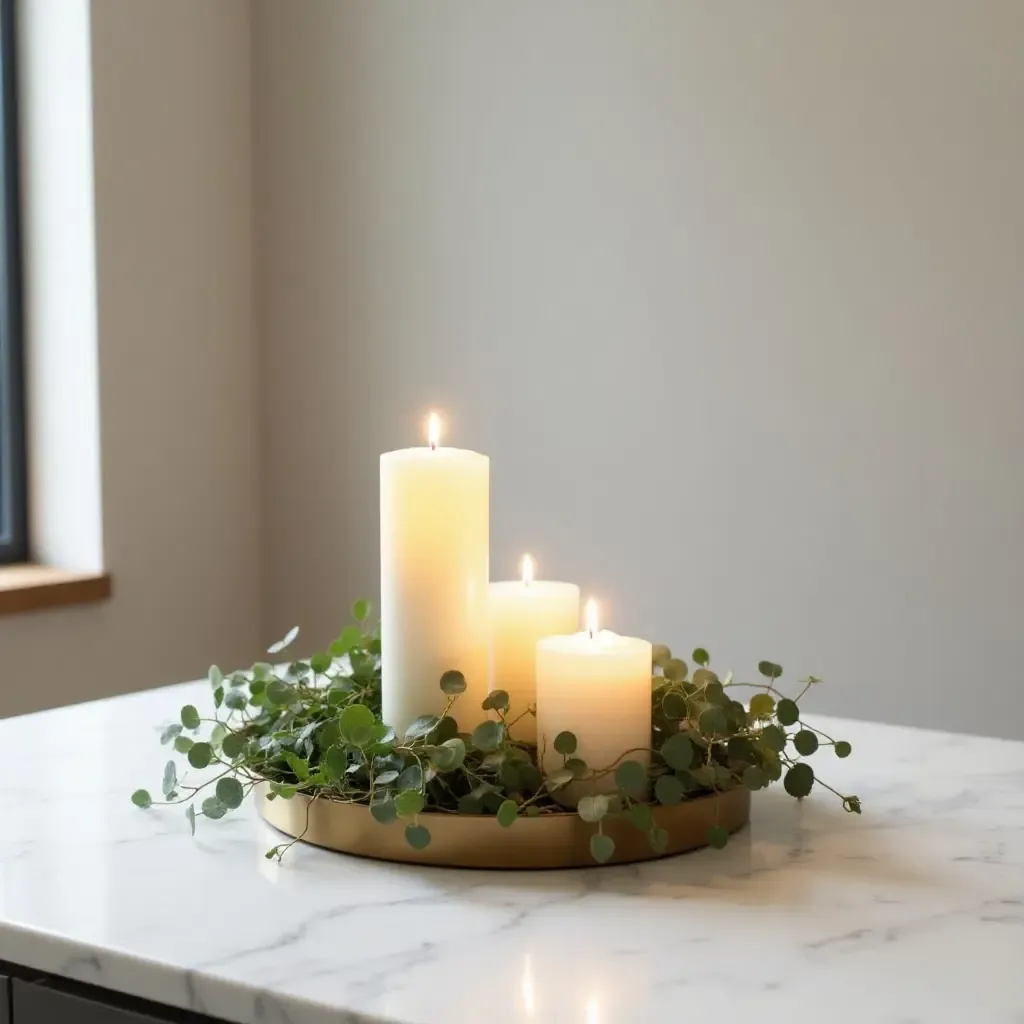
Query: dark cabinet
<point>5,1000</point>
<point>34,1003</point>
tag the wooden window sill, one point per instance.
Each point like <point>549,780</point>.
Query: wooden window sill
<point>29,588</point>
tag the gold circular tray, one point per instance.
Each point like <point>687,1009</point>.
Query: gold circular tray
<point>464,841</point>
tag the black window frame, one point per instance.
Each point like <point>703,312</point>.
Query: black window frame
<point>13,485</point>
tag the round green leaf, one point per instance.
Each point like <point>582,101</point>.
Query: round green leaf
<point>565,743</point>
<point>658,840</point>
<point>640,817</point>
<point>200,755</point>
<point>458,752</point>
<point>843,749</point>
<point>762,705</point>
<point>280,694</point>
<point>496,700</point>
<point>851,804</point>
<point>470,804</point>
<point>213,808</point>
<point>360,610</point>
<point>321,662</point>
<point>592,808</point>
<point>409,803</point>
<point>417,837</point>
<point>717,837</point>
<point>383,811</point>
<point>411,778</point>
<point>677,751</point>
<point>507,813</point>
<point>356,724</point>
<point>487,736</point>
<point>190,717</point>
<point>215,676</point>
<point>421,727</point>
<point>233,745</point>
<point>229,792</point>
<point>673,704</point>
<point>141,798</point>
<point>701,657</point>
<point>170,733</point>
<point>669,790</point>
<point>182,744</point>
<point>769,669</point>
<point>806,742</point>
<point>601,847</point>
<point>578,767</point>
<point>675,669</point>
<point>236,700</point>
<point>754,778</point>
<point>712,721</point>
<point>286,642</point>
<point>453,682</point>
<point>787,712</point>
<point>170,779</point>
<point>631,778</point>
<point>799,779</point>
<point>774,737</point>
<point>557,779</point>
<point>660,654</point>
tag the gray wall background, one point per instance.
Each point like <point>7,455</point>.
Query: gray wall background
<point>730,293</point>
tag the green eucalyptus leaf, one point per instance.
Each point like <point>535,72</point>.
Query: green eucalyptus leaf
<point>458,752</point>
<point>170,733</point>
<point>417,837</point>
<point>200,755</point>
<point>717,837</point>
<point>496,700</point>
<point>236,700</point>
<point>288,640</point>
<point>557,779</point>
<point>190,817</point>
<point>592,808</point>
<point>712,722</point>
<point>213,808</point>
<point>701,657</point>
<point>754,778</point>
<point>421,727</point>
<point>453,682</point>
<point>601,847</point>
<point>675,669</point>
<point>631,778</point>
<point>799,780</point>
<point>190,717</point>
<point>507,813</point>
<point>361,610</point>
<point>774,737</point>
<point>183,744</point>
<point>565,743</point>
<point>280,694</point>
<point>356,724</point>
<point>141,798</point>
<point>488,736</point>
<point>233,745</point>
<point>170,780</point>
<point>806,742</point>
<point>299,765</point>
<point>659,840</point>
<point>769,669</point>
<point>762,705</point>
<point>851,804</point>
<point>787,712</point>
<point>673,704</point>
<point>384,811</point>
<point>843,749</point>
<point>408,803</point>
<point>668,790</point>
<point>660,654</point>
<point>229,792</point>
<point>411,778</point>
<point>677,751</point>
<point>215,676</point>
<point>321,662</point>
<point>579,768</point>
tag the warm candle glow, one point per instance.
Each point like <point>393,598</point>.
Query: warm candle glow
<point>527,570</point>
<point>591,616</point>
<point>433,430</point>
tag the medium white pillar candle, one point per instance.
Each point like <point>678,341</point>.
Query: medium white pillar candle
<point>434,545</point>
<point>522,612</point>
<point>597,685</point>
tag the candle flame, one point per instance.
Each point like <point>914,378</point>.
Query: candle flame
<point>591,616</point>
<point>433,430</point>
<point>527,570</point>
<point>529,997</point>
<point>593,1011</point>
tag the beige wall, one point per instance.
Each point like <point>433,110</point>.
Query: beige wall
<point>729,292</point>
<point>176,359</point>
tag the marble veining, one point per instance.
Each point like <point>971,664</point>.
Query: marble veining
<point>913,912</point>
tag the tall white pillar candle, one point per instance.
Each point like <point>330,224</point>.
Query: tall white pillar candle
<point>597,685</point>
<point>522,612</point>
<point>434,545</point>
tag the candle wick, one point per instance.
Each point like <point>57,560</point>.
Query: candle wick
<point>433,446</point>
<point>591,632</point>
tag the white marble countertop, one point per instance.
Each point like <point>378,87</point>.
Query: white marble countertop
<point>912,912</point>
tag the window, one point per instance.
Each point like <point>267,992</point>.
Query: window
<point>13,530</point>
